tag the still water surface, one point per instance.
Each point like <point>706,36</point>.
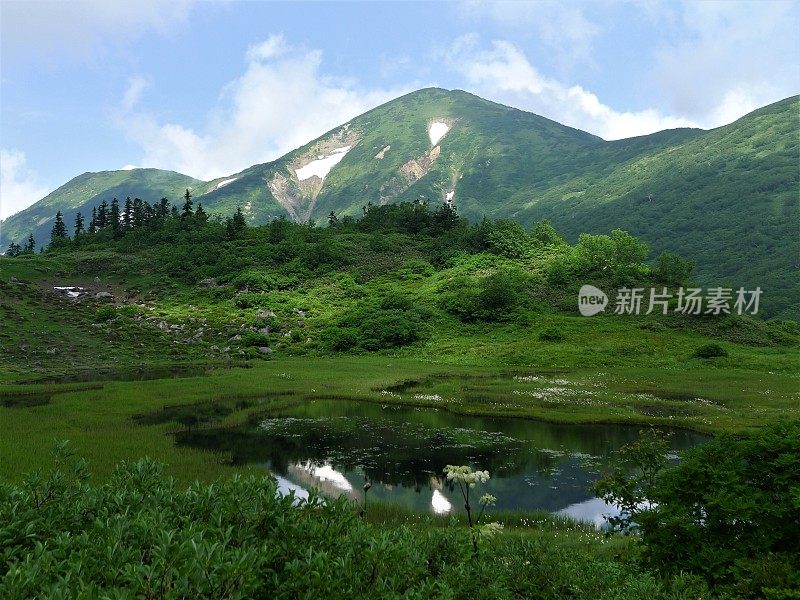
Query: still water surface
<point>337,445</point>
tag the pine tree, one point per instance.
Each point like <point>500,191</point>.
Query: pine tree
<point>102,215</point>
<point>138,212</point>
<point>30,247</point>
<point>59,231</point>
<point>14,249</point>
<point>93,223</point>
<point>200,215</point>
<point>127,213</point>
<point>162,211</point>
<point>148,213</point>
<point>116,226</point>
<point>239,222</point>
<point>332,219</point>
<point>174,212</point>
<point>78,225</point>
<point>187,205</point>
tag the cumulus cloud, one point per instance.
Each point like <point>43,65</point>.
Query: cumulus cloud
<point>75,28</point>
<point>504,73</point>
<point>280,102</point>
<point>19,187</point>
<point>728,58</point>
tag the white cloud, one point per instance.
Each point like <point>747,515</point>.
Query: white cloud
<point>563,26</point>
<point>504,73</point>
<point>279,103</point>
<point>19,187</point>
<point>729,58</point>
<point>136,86</point>
<point>75,28</point>
<point>270,48</point>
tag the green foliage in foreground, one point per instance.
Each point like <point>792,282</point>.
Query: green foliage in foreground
<point>140,536</point>
<point>730,511</point>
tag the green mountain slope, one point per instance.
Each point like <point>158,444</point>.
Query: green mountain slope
<point>87,191</point>
<point>726,198</point>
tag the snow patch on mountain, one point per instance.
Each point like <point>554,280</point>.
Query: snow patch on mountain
<point>436,131</point>
<point>225,182</point>
<point>322,166</point>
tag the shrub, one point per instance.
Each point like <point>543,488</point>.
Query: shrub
<point>342,339</point>
<point>389,329</point>
<point>730,511</point>
<point>251,300</point>
<point>254,281</point>
<point>551,334</point>
<point>544,234</point>
<point>253,339</point>
<point>509,239</point>
<point>236,538</point>
<point>710,351</point>
<point>105,313</point>
<point>392,322</point>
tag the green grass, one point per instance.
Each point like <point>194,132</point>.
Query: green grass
<point>100,421</point>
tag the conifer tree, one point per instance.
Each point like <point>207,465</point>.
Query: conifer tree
<point>116,226</point>
<point>102,215</point>
<point>59,231</point>
<point>162,211</point>
<point>127,213</point>
<point>138,212</point>
<point>187,205</point>
<point>78,225</point>
<point>200,215</point>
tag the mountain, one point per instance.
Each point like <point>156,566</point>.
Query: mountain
<point>726,198</point>
<point>86,191</point>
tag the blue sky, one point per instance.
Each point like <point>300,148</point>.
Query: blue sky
<point>209,88</point>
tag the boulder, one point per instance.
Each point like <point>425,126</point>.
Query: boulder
<point>265,350</point>
<point>100,295</point>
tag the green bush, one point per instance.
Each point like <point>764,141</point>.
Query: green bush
<point>389,329</point>
<point>254,281</point>
<point>509,239</point>
<point>253,339</point>
<point>493,299</point>
<point>141,535</point>
<point>731,512</point>
<point>391,322</point>
<point>551,334</point>
<point>342,339</point>
<point>710,351</point>
<point>251,300</point>
<point>105,313</point>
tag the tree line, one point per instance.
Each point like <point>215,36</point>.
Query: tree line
<point>110,221</point>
